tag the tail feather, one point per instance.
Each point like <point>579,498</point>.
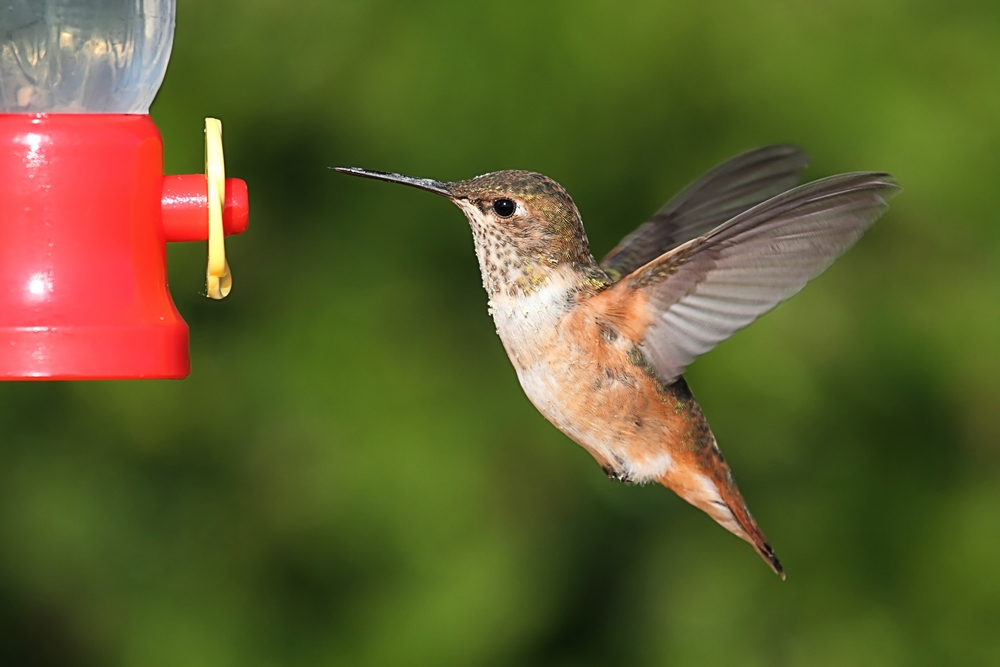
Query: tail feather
<point>754,535</point>
<point>716,494</point>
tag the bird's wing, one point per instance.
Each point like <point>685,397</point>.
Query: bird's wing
<point>702,292</point>
<point>723,193</point>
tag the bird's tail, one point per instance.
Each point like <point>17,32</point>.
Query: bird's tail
<point>749,530</point>
<point>715,492</point>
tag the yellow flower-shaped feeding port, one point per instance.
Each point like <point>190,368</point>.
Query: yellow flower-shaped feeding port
<point>219,279</point>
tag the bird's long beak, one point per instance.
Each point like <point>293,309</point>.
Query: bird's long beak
<point>428,184</point>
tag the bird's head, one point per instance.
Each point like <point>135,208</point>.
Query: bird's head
<point>511,212</point>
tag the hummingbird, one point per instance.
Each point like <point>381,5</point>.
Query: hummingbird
<point>600,348</point>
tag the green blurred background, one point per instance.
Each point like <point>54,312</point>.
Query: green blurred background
<point>352,475</point>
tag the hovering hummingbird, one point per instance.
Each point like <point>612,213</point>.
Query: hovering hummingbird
<point>600,348</point>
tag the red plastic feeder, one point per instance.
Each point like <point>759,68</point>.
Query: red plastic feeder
<point>85,215</point>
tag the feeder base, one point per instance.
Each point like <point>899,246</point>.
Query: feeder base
<point>94,353</point>
<point>83,275</point>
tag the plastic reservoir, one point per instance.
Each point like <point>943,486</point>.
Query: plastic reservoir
<point>83,56</point>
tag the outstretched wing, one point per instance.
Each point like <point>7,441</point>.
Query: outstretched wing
<point>723,193</point>
<point>707,289</point>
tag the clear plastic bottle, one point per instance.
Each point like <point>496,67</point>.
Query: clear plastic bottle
<point>83,56</point>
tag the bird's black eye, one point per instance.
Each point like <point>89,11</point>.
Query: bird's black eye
<point>504,207</point>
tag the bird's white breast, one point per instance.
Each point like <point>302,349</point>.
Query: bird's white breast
<point>528,323</point>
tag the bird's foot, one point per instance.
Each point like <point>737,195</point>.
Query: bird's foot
<point>619,475</point>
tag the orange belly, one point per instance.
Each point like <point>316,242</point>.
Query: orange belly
<point>592,382</point>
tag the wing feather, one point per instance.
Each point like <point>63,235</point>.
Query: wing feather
<point>705,290</point>
<point>723,193</point>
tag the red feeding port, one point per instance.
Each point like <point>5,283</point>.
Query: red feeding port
<point>85,214</point>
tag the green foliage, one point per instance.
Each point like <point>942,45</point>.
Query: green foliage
<point>352,475</point>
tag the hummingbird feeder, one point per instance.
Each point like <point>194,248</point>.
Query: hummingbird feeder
<point>85,210</point>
